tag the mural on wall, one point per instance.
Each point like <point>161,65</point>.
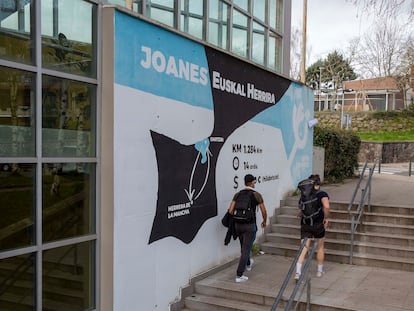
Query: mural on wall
<point>173,69</point>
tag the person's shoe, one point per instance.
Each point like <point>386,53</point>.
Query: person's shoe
<point>297,276</point>
<point>319,274</point>
<point>242,278</point>
<point>249,267</point>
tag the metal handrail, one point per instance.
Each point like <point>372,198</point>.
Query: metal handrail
<point>299,283</point>
<point>356,218</point>
<point>361,176</point>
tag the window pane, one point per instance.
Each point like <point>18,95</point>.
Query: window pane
<point>196,6</point>
<point>279,16</point>
<point>17,291</point>
<point>17,208</point>
<point>68,118</point>
<point>68,206</point>
<point>162,16</point>
<point>167,3</point>
<point>195,27</point>
<point>258,44</point>
<point>192,18</point>
<point>272,52</point>
<point>67,36</point>
<point>239,43</point>
<point>259,7</point>
<point>17,108</point>
<point>219,20</point>
<point>272,13</point>
<point>16,31</point>
<point>275,52</point>
<point>242,3</point>
<point>68,278</point>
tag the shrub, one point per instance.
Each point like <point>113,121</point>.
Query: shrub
<point>341,152</point>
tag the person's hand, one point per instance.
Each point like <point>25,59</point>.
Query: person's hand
<point>264,224</point>
<point>325,223</point>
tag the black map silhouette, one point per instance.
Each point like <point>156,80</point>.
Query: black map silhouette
<point>179,214</point>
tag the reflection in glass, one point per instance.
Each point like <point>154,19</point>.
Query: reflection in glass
<point>192,17</point>
<point>240,33</point>
<point>17,207</point>
<point>16,31</point>
<point>162,16</point>
<point>242,4</point>
<point>68,210</point>
<point>258,44</point>
<point>259,9</point>
<point>68,278</point>
<point>162,11</point>
<point>17,283</point>
<point>276,15</point>
<point>166,3</point>
<point>279,16</point>
<point>67,36</point>
<point>272,13</point>
<point>17,107</point>
<point>68,118</point>
<point>275,52</point>
<point>272,52</point>
<point>218,22</point>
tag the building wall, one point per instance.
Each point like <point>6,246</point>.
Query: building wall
<point>189,122</point>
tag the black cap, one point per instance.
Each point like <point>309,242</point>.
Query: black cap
<point>249,178</point>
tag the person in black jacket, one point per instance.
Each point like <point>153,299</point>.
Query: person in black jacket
<point>228,222</point>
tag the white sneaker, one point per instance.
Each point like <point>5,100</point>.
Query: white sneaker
<point>297,276</point>
<point>242,278</point>
<point>249,267</point>
<point>319,274</point>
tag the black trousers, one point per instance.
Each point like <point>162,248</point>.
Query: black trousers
<point>247,235</point>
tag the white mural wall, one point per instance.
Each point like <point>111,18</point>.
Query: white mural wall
<point>190,122</point>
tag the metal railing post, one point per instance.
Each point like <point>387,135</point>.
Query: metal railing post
<point>409,168</point>
<point>351,246</point>
<point>308,295</point>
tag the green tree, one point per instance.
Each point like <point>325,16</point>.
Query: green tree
<point>330,72</point>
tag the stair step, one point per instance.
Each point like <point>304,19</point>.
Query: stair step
<point>206,303</point>
<point>394,262</point>
<point>277,237</point>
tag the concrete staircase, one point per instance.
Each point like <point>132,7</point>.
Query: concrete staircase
<point>212,294</point>
<point>384,238</point>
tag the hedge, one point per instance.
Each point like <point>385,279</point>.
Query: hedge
<point>341,152</point>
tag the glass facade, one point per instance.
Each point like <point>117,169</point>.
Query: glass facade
<point>48,154</point>
<point>251,29</point>
<point>49,129</point>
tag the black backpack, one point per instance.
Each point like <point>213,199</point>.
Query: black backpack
<point>245,208</point>
<point>308,202</point>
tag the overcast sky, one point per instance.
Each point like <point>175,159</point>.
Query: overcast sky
<point>330,25</point>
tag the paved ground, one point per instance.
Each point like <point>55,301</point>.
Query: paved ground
<point>386,189</point>
<point>362,288</point>
<point>356,287</point>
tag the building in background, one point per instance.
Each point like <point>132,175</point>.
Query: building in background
<point>125,129</point>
